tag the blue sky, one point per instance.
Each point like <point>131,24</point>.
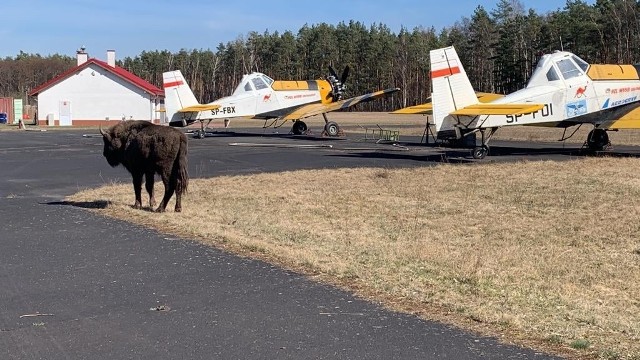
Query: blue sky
<point>129,27</point>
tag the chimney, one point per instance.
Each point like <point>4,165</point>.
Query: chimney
<point>111,58</point>
<point>82,56</point>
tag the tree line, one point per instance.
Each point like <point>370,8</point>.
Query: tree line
<point>499,48</point>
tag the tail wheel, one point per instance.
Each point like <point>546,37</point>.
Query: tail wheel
<point>597,140</point>
<point>299,128</point>
<point>331,128</point>
<point>480,152</point>
<point>199,134</point>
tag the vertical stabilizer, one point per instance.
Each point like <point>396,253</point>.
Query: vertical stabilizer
<point>452,89</point>
<point>177,95</point>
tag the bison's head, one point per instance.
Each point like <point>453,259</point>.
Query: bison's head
<point>112,147</point>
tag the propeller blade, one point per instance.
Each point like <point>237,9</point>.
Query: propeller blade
<point>332,71</point>
<point>345,73</point>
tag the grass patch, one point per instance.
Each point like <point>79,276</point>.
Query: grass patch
<point>522,250</point>
<point>580,344</point>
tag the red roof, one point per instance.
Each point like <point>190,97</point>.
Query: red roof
<point>120,72</point>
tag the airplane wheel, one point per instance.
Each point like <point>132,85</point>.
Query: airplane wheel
<point>299,128</point>
<point>198,134</point>
<point>331,128</point>
<point>597,139</point>
<point>480,152</point>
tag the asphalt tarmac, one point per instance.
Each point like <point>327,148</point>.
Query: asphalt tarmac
<point>74,285</point>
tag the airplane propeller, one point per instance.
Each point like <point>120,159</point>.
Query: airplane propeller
<point>337,84</point>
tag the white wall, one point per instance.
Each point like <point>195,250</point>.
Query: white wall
<point>96,94</point>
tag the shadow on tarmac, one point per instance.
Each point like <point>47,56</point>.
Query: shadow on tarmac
<point>463,156</point>
<point>96,204</point>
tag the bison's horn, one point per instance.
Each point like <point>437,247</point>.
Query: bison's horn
<point>104,133</point>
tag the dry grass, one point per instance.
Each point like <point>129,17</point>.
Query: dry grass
<point>542,253</point>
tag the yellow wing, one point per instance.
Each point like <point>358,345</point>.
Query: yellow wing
<point>498,109</point>
<point>427,108</point>
<point>484,97</point>
<point>319,108</point>
<point>199,107</point>
<point>630,120</point>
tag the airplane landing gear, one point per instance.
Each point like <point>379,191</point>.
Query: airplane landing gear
<point>200,134</point>
<point>331,128</point>
<point>299,127</point>
<point>480,152</point>
<point>597,140</point>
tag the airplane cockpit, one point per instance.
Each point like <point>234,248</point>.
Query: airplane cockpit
<point>253,81</point>
<point>560,65</point>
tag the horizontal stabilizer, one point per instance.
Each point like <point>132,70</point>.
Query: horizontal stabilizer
<point>427,108</point>
<point>498,109</point>
<point>417,109</point>
<point>484,97</point>
<point>199,107</point>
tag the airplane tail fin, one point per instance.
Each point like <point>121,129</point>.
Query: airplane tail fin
<point>451,88</point>
<point>178,95</point>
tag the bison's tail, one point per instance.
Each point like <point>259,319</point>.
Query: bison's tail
<point>181,165</point>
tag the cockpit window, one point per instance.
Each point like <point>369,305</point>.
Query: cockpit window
<point>247,87</point>
<point>568,69</point>
<point>267,79</point>
<point>581,63</point>
<point>259,83</point>
<point>552,75</point>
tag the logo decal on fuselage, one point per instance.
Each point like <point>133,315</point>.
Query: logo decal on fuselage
<point>576,108</point>
<point>609,104</point>
<point>580,92</point>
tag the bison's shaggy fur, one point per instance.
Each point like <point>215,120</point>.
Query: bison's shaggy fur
<point>145,149</point>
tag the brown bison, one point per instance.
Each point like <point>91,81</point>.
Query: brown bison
<point>145,149</point>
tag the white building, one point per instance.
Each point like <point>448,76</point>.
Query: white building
<point>97,93</point>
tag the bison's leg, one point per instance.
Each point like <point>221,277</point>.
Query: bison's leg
<point>137,189</point>
<point>178,207</point>
<point>169,188</point>
<point>148,184</point>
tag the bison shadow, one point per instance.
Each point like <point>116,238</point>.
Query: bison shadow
<point>96,204</point>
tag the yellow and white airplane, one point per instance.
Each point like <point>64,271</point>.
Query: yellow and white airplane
<point>563,91</point>
<point>260,97</point>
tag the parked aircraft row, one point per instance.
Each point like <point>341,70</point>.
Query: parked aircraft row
<point>563,91</point>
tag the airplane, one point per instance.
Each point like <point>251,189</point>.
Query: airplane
<point>563,91</point>
<point>258,96</point>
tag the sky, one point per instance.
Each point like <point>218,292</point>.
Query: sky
<point>49,27</point>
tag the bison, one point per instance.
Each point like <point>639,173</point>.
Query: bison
<point>145,149</point>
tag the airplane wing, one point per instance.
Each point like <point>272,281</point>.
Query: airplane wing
<point>498,109</point>
<point>427,108</point>
<point>628,119</point>
<point>199,107</point>
<point>318,108</point>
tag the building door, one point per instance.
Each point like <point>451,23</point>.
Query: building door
<point>65,113</point>
<point>17,110</point>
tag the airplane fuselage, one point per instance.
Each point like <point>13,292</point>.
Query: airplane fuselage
<point>586,101</point>
<point>255,98</point>
<point>596,96</point>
